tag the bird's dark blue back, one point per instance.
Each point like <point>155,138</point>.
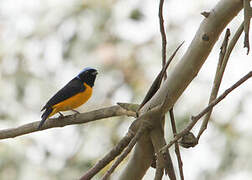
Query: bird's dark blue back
<point>70,89</point>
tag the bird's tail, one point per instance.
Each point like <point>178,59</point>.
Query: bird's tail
<point>44,116</point>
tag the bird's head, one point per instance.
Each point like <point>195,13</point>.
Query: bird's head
<point>88,76</point>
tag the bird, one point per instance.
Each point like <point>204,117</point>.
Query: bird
<point>75,93</point>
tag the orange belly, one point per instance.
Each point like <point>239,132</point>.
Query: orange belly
<point>74,101</point>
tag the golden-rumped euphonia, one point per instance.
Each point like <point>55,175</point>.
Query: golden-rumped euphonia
<point>75,93</point>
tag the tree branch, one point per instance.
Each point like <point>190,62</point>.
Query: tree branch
<point>247,17</point>
<point>223,59</point>
<point>163,35</point>
<point>108,157</point>
<point>145,126</point>
<point>66,120</point>
<point>196,118</point>
<point>157,82</point>
<point>157,137</point>
<point>164,161</point>
<point>177,151</point>
<point>137,128</point>
<point>223,95</point>
<point>180,77</point>
<point>217,80</point>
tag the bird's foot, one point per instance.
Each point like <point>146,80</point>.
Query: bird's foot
<point>61,115</point>
<point>76,112</point>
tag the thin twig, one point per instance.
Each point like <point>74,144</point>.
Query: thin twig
<point>177,151</point>
<point>247,17</point>
<point>132,143</point>
<point>223,95</point>
<point>196,118</point>
<point>160,166</point>
<point>163,35</point>
<point>157,82</point>
<point>67,120</point>
<point>159,170</point>
<point>217,80</point>
<point>229,50</point>
<point>108,157</point>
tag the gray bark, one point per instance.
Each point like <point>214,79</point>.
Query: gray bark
<point>180,77</point>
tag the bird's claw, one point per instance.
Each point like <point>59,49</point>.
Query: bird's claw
<point>76,112</point>
<point>61,115</point>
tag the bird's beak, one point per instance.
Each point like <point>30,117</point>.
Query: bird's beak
<point>95,73</point>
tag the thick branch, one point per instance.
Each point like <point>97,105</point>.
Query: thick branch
<point>157,137</point>
<point>67,120</point>
<point>137,128</point>
<point>143,128</point>
<point>181,76</point>
<point>164,161</point>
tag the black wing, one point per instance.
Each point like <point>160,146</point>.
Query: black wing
<point>70,89</point>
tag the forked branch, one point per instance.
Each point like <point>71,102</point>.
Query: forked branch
<point>196,118</point>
